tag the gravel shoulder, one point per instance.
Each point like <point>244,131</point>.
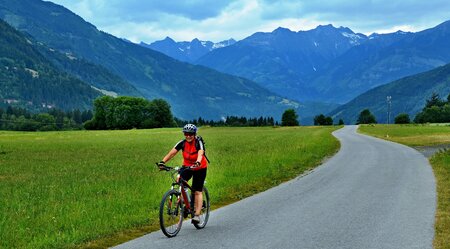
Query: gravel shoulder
<point>429,151</point>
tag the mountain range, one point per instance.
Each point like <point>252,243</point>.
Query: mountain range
<point>311,71</point>
<point>187,51</point>
<point>331,64</point>
<point>191,90</point>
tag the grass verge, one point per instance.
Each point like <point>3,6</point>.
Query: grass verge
<point>94,189</point>
<point>426,135</point>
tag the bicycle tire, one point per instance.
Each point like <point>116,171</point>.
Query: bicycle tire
<point>205,210</point>
<point>170,216</point>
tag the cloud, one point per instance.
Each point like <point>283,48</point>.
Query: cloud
<point>150,20</point>
<point>373,15</point>
<point>148,10</point>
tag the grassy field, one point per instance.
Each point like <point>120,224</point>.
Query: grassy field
<point>411,135</point>
<point>98,188</point>
<point>421,135</point>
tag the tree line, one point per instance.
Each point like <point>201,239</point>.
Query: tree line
<point>231,121</point>
<point>436,110</point>
<point>131,112</point>
<point>20,119</point>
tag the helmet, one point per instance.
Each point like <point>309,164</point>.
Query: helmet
<point>190,128</point>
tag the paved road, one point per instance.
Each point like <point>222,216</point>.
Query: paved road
<point>372,194</point>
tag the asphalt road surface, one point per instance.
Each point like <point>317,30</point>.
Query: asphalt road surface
<point>371,194</point>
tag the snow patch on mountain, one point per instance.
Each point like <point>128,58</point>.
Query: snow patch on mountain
<point>354,38</point>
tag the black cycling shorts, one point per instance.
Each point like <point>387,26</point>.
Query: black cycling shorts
<point>197,181</point>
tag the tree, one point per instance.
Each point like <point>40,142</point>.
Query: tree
<point>161,114</point>
<point>328,121</point>
<point>101,109</point>
<point>434,100</point>
<point>341,122</point>
<point>402,118</point>
<point>319,119</point>
<point>86,115</point>
<point>46,122</point>
<point>366,117</point>
<point>289,118</point>
<point>76,116</point>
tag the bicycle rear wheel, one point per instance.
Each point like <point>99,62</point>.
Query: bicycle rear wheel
<point>171,213</point>
<point>205,210</point>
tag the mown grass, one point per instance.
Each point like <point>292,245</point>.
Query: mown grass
<point>411,134</point>
<point>94,189</point>
<point>423,135</point>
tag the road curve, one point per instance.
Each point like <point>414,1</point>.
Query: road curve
<point>371,194</point>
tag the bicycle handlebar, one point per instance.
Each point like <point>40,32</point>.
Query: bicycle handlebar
<point>168,168</point>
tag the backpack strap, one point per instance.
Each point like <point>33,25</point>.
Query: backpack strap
<point>197,146</point>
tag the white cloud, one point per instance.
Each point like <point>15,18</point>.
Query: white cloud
<point>182,20</point>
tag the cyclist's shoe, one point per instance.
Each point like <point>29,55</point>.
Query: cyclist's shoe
<point>196,219</point>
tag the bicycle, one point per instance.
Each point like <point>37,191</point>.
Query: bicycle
<point>175,204</point>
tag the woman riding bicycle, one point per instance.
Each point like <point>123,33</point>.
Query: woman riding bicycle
<point>193,155</point>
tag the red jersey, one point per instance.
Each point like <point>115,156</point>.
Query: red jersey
<point>190,152</point>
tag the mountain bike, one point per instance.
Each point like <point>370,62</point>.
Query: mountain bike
<point>176,204</point>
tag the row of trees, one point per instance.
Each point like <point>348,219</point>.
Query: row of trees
<point>435,110</point>
<point>19,119</point>
<point>231,121</point>
<point>325,120</point>
<point>131,112</point>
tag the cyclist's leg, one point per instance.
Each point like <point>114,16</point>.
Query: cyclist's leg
<point>197,186</point>
<point>186,174</point>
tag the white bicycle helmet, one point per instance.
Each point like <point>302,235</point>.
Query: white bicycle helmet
<point>190,128</point>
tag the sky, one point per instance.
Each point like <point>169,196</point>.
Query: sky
<point>218,20</point>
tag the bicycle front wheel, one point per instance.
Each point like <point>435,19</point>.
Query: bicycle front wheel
<point>171,213</point>
<point>205,210</point>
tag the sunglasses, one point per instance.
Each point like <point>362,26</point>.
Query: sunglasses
<point>189,134</point>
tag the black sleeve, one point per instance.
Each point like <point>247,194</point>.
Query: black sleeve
<point>179,146</point>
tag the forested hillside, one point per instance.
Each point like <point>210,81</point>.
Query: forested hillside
<point>94,75</point>
<point>28,79</point>
<point>192,91</point>
<point>408,95</point>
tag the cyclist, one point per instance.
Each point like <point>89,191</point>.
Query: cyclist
<point>193,154</point>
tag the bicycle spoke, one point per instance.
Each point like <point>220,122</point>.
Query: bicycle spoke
<point>171,214</point>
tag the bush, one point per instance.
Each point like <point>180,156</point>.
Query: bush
<point>322,120</point>
<point>402,118</point>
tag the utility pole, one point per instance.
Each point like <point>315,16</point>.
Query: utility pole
<point>388,100</point>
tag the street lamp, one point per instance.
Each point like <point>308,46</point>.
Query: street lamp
<point>388,100</point>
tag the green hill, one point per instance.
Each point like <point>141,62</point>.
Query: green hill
<point>408,94</point>
<point>28,79</point>
<point>94,75</point>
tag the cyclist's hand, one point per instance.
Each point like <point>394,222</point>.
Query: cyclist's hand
<point>197,164</point>
<point>162,165</point>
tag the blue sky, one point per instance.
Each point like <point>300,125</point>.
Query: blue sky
<point>217,20</point>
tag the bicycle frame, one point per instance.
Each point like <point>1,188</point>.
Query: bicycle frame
<point>179,181</point>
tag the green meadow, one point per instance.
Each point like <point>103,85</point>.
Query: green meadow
<point>426,135</point>
<point>94,189</point>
